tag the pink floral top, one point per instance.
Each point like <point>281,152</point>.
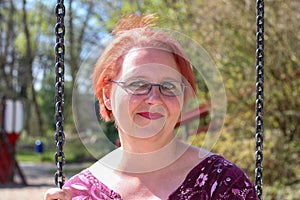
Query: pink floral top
<point>213,178</point>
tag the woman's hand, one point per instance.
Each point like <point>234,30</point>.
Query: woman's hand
<point>56,193</point>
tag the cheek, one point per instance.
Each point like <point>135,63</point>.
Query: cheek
<point>123,105</point>
<point>176,103</point>
<point>135,101</point>
<point>174,107</point>
<point>119,103</point>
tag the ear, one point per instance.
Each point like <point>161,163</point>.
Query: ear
<point>106,98</point>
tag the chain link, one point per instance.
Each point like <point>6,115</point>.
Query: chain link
<point>259,96</point>
<point>59,93</point>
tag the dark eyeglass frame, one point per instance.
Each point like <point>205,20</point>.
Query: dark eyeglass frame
<point>122,84</point>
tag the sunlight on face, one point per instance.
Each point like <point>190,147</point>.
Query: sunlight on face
<point>147,115</point>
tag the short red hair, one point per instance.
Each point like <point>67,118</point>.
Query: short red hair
<point>110,62</point>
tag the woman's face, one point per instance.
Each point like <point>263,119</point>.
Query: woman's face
<point>152,114</point>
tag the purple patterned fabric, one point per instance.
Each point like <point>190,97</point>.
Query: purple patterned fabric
<point>212,179</point>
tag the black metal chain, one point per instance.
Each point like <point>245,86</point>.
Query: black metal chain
<point>259,96</point>
<point>59,93</point>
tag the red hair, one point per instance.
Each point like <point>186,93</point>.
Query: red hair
<point>134,32</point>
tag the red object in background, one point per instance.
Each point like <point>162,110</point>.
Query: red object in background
<point>194,114</point>
<point>6,165</point>
<point>13,138</point>
<point>7,161</point>
<point>11,125</point>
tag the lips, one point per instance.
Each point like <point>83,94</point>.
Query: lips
<point>151,115</point>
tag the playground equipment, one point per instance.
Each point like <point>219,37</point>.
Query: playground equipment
<point>11,126</point>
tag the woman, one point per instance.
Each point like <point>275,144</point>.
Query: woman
<point>143,82</point>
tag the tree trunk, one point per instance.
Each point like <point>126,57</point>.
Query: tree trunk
<point>6,53</point>
<point>29,62</point>
<point>76,47</point>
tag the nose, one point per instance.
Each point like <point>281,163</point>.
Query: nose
<point>154,96</point>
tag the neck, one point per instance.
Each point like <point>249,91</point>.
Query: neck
<point>137,145</point>
<point>130,162</point>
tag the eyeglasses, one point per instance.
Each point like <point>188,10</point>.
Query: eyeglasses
<point>142,87</point>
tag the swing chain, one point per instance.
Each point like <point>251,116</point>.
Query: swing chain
<point>59,93</point>
<point>259,96</point>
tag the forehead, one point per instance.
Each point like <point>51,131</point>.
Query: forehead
<point>149,61</point>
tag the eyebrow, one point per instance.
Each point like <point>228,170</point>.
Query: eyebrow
<point>147,78</point>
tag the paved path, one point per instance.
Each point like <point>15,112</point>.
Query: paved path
<point>39,178</point>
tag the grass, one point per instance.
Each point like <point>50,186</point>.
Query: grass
<point>31,156</point>
<point>74,149</point>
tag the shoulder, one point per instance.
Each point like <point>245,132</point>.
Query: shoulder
<point>86,185</point>
<point>216,167</point>
<point>213,164</point>
<point>214,177</point>
<point>229,181</point>
<point>225,179</point>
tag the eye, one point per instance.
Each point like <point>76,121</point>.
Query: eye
<point>136,86</point>
<point>170,86</point>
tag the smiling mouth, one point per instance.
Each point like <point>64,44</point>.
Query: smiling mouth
<point>151,115</point>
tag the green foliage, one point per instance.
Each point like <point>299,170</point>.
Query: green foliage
<point>281,155</point>
<point>278,192</point>
<point>75,151</point>
<point>46,99</point>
